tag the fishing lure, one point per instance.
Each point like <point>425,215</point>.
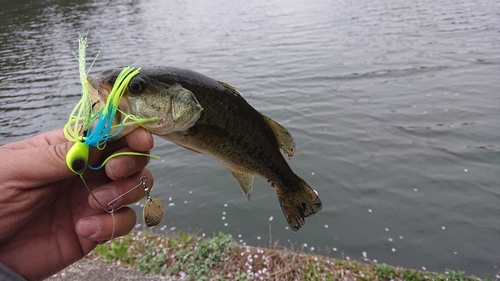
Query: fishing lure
<point>88,129</point>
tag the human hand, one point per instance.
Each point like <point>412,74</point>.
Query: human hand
<point>48,219</point>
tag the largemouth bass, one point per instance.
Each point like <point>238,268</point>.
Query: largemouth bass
<point>228,129</point>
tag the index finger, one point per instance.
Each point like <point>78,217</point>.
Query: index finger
<point>138,140</point>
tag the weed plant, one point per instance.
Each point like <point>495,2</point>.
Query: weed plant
<point>220,258</point>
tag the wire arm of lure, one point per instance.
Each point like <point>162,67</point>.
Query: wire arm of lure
<point>142,182</point>
<point>111,208</point>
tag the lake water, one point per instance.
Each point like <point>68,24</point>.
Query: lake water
<point>394,106</point>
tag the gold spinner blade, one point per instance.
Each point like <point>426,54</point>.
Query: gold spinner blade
<point>152,212</point>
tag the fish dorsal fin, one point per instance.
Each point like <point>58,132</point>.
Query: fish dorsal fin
<point>245,181</point>
<point>282,135</point>
<point>230,88</point>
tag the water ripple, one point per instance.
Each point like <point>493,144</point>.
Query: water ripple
<point>391,105</point>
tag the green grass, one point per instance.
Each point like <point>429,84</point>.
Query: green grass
<point>221,258</point>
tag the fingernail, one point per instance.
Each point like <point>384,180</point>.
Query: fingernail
<point>87,227</point>
<point>106,195</point>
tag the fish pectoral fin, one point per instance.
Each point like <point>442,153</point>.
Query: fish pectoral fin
<point>245,181</point>
<point>284,138</point>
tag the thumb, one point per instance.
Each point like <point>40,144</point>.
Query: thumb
<point>33,166</point>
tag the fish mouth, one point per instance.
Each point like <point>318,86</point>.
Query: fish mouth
<point>98,89</point>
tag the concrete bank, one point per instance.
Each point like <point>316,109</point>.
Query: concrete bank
<point>89,270</point>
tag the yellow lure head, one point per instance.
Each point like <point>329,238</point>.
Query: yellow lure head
<point>78,157</point>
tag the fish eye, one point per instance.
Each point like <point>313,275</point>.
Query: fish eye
<point>137,86</point>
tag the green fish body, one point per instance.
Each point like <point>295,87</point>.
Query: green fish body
<point>227,129</point>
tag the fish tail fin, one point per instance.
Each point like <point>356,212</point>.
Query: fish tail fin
<point>298,204</point>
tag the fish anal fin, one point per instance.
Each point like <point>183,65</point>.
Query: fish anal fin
<point>230,88</point>
<point>245,180</point>
<point>284,138</point>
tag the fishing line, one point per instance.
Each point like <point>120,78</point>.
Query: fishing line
<point>114,226</point>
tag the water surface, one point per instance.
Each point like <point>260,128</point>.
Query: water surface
<point>393,106</point>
